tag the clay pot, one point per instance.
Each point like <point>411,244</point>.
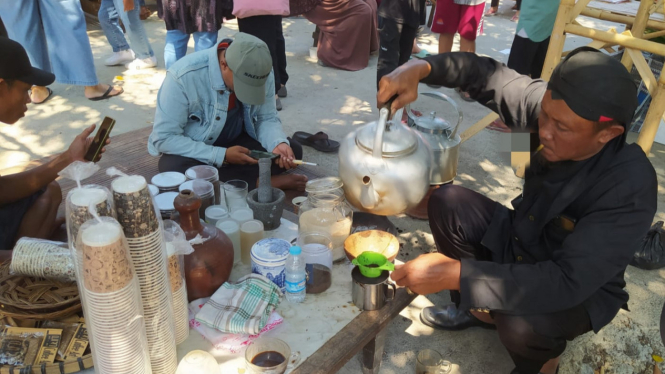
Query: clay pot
<point>212,261</point>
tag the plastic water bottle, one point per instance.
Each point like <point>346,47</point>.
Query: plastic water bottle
<point>295,276</point>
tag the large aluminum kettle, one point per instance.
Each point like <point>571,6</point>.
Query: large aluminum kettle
<point>385,166</point>
<point>441,137</point>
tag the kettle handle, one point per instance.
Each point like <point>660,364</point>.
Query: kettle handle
<point>384,115</point>
<point>440,96</point>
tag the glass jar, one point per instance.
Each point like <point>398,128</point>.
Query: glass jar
<point>326,211</point>
<point>317,249</point>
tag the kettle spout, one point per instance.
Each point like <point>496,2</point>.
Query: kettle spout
<point>368,197</point>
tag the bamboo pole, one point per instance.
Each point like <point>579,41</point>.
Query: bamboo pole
<point>639,26</point>
<point>557,39</point>
<point>643,68</point>
<point>623,40</point>
<point>577,9</point>
<point>654,34</point>
<point>620,18</point>
<point>478,126</point>
<point>652,120</point>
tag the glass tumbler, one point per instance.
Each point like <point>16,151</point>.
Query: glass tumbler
<point>270,356</point>
<point>430,361</point>
<point>235,194</point>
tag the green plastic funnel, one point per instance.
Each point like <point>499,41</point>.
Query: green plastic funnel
<point>372,264</point>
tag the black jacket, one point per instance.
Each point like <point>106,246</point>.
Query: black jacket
<point>539,264</point>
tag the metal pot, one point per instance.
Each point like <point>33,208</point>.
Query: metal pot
<point>371,293</point>
<point>442,139</point>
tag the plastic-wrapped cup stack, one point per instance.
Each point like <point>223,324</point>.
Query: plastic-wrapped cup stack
<point>111,299</point>
<point>204,189</point>
<point>179,289</point>
<point>78,201</point>
<point>142,227</point>
<point>44,259</point>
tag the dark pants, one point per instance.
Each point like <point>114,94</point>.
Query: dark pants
<point>458,219</point>
<point>528,57</point>
<point>396,45</point>
<point>269,29</point>
<point>495,3</point>
<point>248,173</point>
<point>11,216</point>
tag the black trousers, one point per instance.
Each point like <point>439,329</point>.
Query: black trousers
<point>248,173</point>
<point>269,29</point>
<point>459,218</point>
<point>396,44</point>
<point>528,57</point>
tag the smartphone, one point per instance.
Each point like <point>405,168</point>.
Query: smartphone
<point>260,154</point>
<point>95,150</point>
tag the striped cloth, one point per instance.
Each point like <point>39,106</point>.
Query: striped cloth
<point>242,307</point>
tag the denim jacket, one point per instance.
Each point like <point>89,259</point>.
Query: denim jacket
<point>192,105</point>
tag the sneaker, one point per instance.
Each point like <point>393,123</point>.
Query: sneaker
<point>145,63</point>
<point>120,58</point>
<point>278,104</point>
<point>282,92</point>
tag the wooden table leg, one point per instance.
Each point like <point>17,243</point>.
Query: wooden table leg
<point>372,353</point>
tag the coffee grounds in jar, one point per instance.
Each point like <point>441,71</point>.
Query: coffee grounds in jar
<point>319,278</point>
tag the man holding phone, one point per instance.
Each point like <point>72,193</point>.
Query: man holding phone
<point>215,107</point>
<point>29,200</point>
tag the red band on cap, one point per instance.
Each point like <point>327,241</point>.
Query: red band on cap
<point>605,119</point>
<point>223,45</point>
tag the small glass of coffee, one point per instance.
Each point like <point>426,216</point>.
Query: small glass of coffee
<point>270,355</point>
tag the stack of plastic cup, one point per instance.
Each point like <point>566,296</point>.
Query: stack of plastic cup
<point>44,259</point>
<point>111,299</point>
<point>208,173</point>
<point>179,290</point>
<point>142,227</point>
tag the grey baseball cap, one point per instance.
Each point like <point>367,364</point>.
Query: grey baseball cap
<point>250,61</point>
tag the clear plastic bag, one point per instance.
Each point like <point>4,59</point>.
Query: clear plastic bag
<point>177,246</point>
<point>44,259</point>
<point>111,298</point>
<point>143,229</point>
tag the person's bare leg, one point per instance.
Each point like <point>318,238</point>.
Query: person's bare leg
<point>40,219</point>
<point>550,366</point>
<point>98,90</point>
<point>446,42</point>
<point>415,48</point>
<point>38,94</point>
<point>483,317</point>
<point>466,45</point>
<point>289,182</point>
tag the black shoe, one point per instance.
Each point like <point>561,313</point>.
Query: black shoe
<point>278,104</point>
<point>282,92</point>
<point>450,318</point>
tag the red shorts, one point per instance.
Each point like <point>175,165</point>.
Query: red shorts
<point>450,18</point>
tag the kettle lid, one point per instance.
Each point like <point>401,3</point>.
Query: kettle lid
<point>398,139</point>
<point>431,124</point>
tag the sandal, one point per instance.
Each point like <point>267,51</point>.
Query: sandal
<point>50,93</point>
<point>318,141</point>
<point>106,94</point>
<point>492,12</point>
<point>464,95</point>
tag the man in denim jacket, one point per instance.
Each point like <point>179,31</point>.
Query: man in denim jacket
<point>218,104</point>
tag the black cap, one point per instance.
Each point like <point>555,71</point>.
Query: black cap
<point>596,86</point>
<point>15,64</point>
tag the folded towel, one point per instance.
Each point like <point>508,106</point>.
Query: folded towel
<point>233,343</point>
<point>242,307</point>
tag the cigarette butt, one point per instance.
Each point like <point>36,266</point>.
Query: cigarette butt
<point>300,162</point>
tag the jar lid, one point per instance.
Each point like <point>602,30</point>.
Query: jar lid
<point>207,172</point>
<point>320,185</point>
<point>200,187</point>
<point>216,212</point>
<point>271,250</point>
<point>397,139</point>
<point>168,179</point>
<point>165,200</point>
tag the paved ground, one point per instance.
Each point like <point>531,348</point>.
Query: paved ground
<point>336,102</point>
